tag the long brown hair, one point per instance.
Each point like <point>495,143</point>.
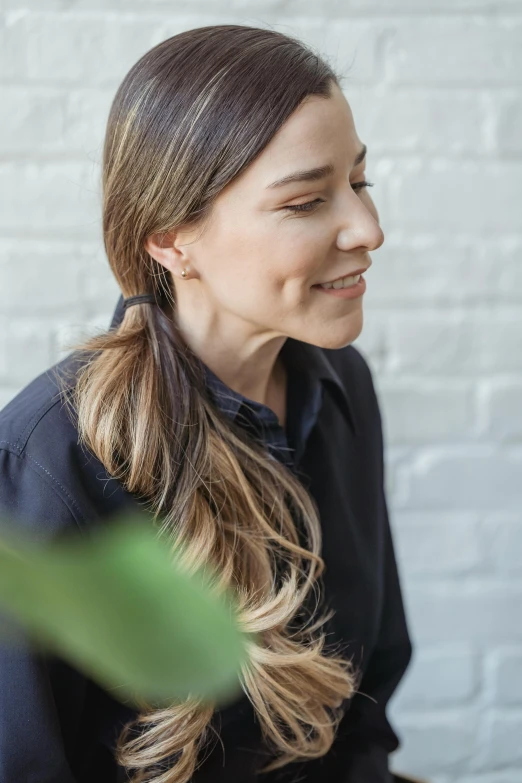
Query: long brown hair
<point>190,115</point>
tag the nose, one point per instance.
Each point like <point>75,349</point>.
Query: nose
<point>361,228</point>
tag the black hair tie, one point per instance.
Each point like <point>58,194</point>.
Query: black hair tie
<point>139,299</point>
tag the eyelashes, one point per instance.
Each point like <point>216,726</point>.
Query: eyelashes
<point>309,206</point>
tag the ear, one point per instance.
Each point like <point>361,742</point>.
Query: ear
<point>164,249</point>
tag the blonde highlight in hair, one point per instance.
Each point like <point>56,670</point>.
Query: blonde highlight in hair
<point>189,117</point>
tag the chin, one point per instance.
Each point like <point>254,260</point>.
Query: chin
<point>339,335</point>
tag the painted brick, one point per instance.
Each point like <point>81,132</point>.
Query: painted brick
<point>430,51</point>
<point>455,342</point>
<point>426,269</point>
<point>97,49</point>
<point>502,401</point>
<point>435,543</point>
<point>501,533</point>
<point>440,677</point>
<point>25,349</point>
<point>59,198</point>
<point>439,742</point>
<point>458,194</point>
<point>13,45</point>
<point>427,411</point>
<point>436,122</point>
<point>479,612</point>
<point>502,746</point>
<point>504,677</point>
<point>36,118</point>
<point>509,123</point>
<point>50,282</point>
<point>479,478</point>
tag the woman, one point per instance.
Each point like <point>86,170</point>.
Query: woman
<point>225,398</point>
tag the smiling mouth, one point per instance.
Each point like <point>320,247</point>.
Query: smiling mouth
<point>343,277</point>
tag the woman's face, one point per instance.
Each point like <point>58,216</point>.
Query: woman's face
<point>254,268</point>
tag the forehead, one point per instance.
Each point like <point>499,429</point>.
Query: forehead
<point>319,130</point>
<point>317,123</point>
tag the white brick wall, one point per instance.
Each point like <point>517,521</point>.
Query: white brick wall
<point>436,91</point>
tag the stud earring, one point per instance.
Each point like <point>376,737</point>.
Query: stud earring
<point>184,273</point>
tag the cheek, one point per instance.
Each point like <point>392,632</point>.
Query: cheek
<point>246,286</point>
<point>300,262</point>
<point>266,272</point>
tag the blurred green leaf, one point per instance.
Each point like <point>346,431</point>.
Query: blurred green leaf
<point>117,606</point>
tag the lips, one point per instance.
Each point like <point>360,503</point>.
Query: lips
<point>347,274</point>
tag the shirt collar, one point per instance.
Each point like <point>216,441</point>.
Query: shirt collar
<point>313,363</point>
<point>308,360</point>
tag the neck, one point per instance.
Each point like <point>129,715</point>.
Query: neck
<point>247,362</point>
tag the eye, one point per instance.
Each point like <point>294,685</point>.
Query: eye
<point>309,206</point>
<point>306,207</point>
<point>363,184</point>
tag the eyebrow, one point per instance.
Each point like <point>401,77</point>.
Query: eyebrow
<point>311,175</point>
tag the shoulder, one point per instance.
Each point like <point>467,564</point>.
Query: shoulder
<point>35,419</point>
<point>49,482</point>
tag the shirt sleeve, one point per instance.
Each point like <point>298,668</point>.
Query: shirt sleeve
<point>365,728</point>
<point>40,696</point>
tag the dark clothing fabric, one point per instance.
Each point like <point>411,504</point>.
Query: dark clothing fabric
<point>58,726</point>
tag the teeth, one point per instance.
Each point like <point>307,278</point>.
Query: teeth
<point>345,282</point>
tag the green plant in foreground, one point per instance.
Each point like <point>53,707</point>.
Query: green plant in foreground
<point>117,607</point>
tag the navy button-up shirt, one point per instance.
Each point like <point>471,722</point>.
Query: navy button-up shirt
<point>58,726</point>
